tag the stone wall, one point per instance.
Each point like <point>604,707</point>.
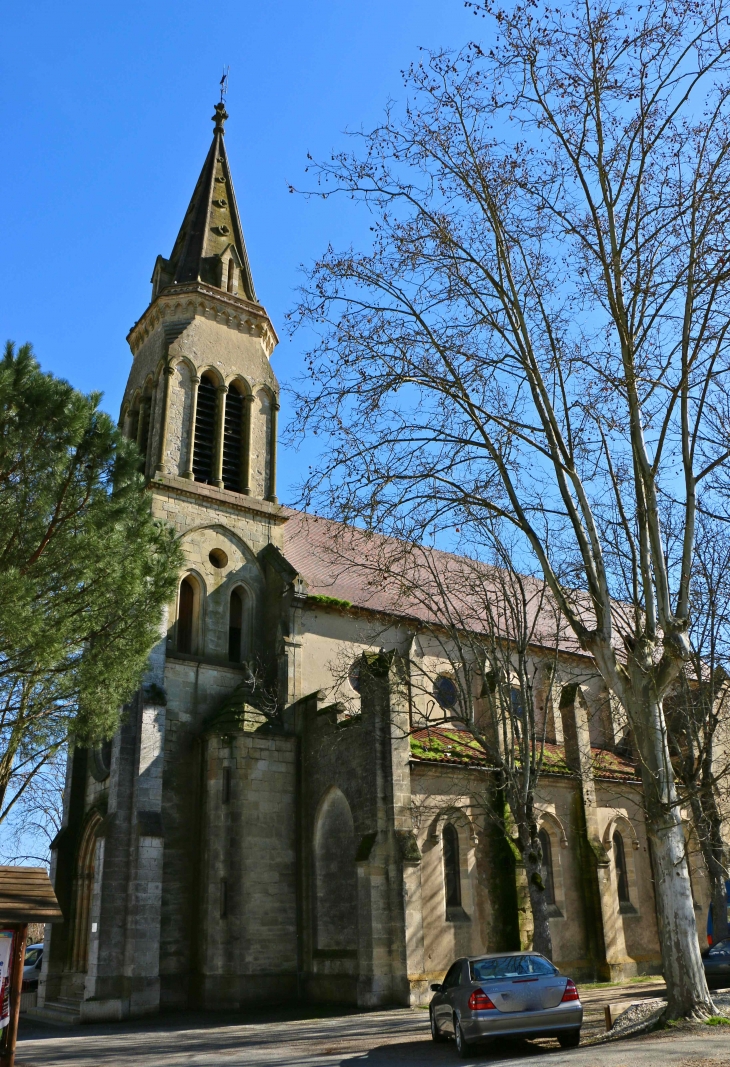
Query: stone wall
<point>366,760</point>
<point>247,908</point>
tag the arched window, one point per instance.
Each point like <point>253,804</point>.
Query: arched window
<point>353,676</point>
<point>452,872</point>
<point>235,627</point>
<point>622,874</point>
<point>186,616</point>
<point>204,430</point>
<point>517,709</point>
<point>231,274</point>
<point>133,423</point>
<point>547,867</point>
<point>143,428</point>
<point>445,691</point>
<point>335,876</point>
<point>233,440</point>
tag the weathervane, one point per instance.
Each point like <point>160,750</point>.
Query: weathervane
<point>224,82</point>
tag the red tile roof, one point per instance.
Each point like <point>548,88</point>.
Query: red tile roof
<point>382,574</point>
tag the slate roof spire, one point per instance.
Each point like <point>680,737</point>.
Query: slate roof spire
<point>210,247</point>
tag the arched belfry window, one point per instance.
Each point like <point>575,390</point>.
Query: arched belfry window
<point>186,616</point>
<point>547,867</point>
<point>452,872</point>
<point>143,428</point>
<point>233,440</point>
<point>235,627</point>
<point>622,874</point>
<point>204,430</point>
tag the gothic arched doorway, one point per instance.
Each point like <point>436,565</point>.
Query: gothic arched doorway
<point>82,894</point>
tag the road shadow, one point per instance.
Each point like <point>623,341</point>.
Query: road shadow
<point>430,1055</point>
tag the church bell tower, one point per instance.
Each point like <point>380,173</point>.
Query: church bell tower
<point>202,399</point>
<point>141,873</point>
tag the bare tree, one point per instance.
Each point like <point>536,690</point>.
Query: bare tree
<point>499,632</point>
<point>34,818</point>
<point>698,716</point>
<point>483,643</point>
<point>539,332</point>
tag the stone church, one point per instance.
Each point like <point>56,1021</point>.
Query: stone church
<point>216,853</point>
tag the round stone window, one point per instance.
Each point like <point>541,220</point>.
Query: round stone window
<point>218,558</point>
<point>353,676</point>
<point>100,762</point>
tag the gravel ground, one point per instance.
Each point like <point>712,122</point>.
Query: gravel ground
<point>642,1017</point>
<point>373,1039</point>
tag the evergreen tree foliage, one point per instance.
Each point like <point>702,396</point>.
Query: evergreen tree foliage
<point>85,570</point>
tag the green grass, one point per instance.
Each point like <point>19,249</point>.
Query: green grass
<point>717,1020</point>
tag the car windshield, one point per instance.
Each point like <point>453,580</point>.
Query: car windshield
<point>32,956</point>
<point>510,967</point>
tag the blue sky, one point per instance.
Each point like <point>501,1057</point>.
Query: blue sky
<point>105,116</point>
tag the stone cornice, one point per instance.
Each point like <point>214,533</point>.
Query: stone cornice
<point>196,299</point>
<point>209,496</point>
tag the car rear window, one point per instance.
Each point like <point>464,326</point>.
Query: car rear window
<point>510,967</point>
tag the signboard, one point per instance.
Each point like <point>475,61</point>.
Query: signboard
<point>6,956</point>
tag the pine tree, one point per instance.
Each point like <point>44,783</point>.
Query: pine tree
<point>85,570</point>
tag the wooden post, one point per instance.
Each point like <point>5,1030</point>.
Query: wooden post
<point>7,1058</point>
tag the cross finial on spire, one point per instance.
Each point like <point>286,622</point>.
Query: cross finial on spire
<point>220,116</point>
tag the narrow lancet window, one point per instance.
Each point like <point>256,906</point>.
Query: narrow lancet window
<point>185,616</point>
<point>547,867</point>
<point>204,431</point>
<point>233,441</point>
<point>622,878</point>
<point>231,274</point>
<point>235,627</point>
<point>452,873</point>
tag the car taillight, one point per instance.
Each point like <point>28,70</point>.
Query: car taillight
<point>571,993</point>
<point>479,1001</point>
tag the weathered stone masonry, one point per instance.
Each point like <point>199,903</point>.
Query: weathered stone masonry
<point>215,855</point>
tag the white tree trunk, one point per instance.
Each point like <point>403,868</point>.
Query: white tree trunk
<point>687,992</point>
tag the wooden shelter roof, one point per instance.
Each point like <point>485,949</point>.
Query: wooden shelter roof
<point>26,896</point>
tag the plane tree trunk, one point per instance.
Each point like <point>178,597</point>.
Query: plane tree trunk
<point>532,860</point>
<point>687,992</point>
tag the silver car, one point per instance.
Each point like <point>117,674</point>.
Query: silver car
<point>516,994</point>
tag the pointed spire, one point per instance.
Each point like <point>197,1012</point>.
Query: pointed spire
<point>210,247</point>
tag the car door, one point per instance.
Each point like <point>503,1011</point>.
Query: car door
<point>717,963</point>
<point>445,1007</point>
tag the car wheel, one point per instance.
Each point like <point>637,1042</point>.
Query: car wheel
<point>463,1048</point>
<point>436,1034</point>
<point>569,1039</point>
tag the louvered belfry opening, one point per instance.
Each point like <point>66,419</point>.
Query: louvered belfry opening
<point>233,440</point>
<point>204,431</point>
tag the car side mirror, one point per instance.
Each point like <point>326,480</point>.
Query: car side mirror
<point>437,987</point>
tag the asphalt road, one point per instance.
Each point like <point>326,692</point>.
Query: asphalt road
<point>373,1039</point>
